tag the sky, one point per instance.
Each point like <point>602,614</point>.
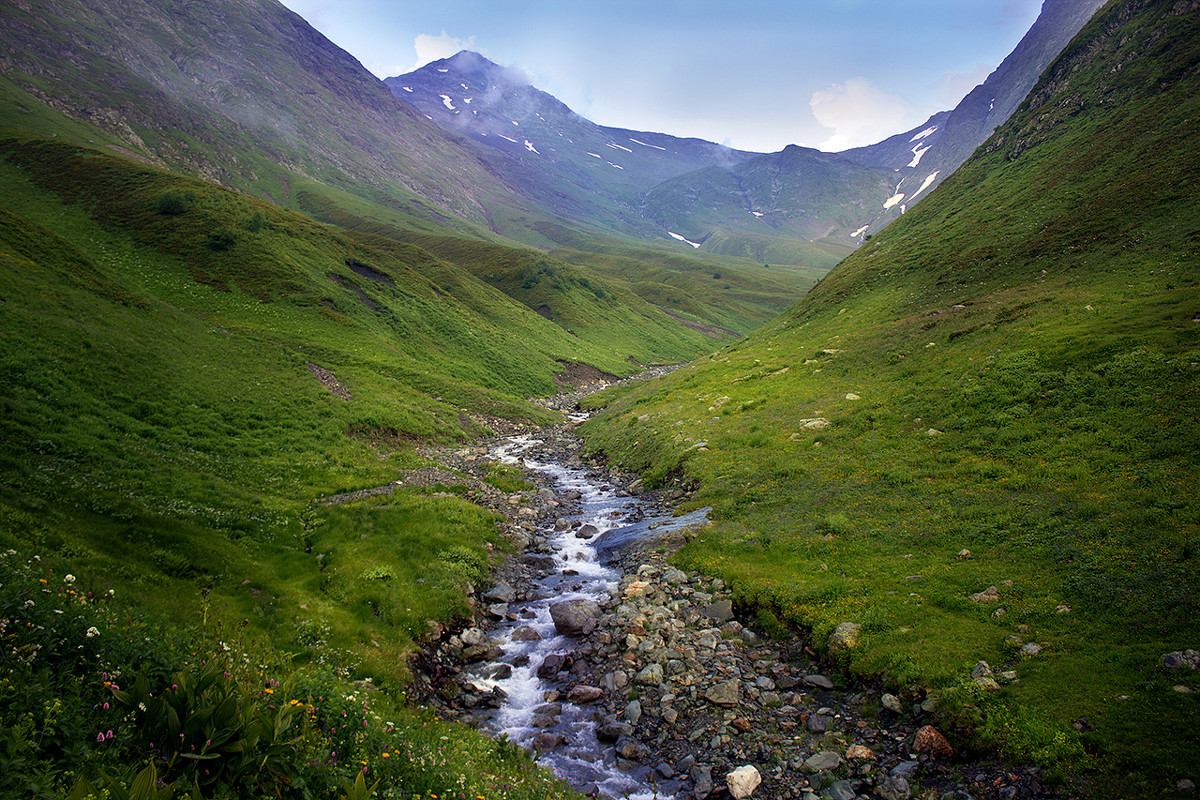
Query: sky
<point>756,75</point>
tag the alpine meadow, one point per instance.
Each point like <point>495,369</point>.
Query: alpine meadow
<point>270,328</point>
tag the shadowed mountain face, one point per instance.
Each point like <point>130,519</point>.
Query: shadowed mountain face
<point>922,158</point>
<point>243,93</point>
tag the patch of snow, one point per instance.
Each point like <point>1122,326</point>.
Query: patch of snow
<point>408,88</point>
<point>992,105</point>
<point>443,70</point>
<point>468,100</point>
<point>618,166</point>
<point>529,146</point>
<point>904,208</point>
<point>465,87</point>
<point>917,152</point>
<point>502,136</point>
<point>514,122</point>
<point>860,231</point>
<point>683,239</point>
<point>596,155</point>
<point>891,201</point>
<point>618,147</point>
<point>757,213</point>
<point>924,133</point>
<point>928,182</point>
<point>446,101</point>
<point>643,144</point>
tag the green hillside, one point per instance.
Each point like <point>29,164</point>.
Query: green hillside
<point>188,371</point>
<point>1000,389</point>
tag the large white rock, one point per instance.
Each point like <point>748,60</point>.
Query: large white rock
<point>743,781</point>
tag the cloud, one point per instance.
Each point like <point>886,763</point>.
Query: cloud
<point>431,48</point>
<point>954,86</point>
<point>858,113</point>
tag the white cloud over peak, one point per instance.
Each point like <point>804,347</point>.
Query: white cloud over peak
<point>431,48</point>
<point>859,113</point>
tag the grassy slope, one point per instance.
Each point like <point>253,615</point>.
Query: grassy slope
<point>1025,346</point>
<point>162,435</point>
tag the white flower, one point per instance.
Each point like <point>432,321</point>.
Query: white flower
<point>28,604</point>
<point>92,632</point>
<point>68,578</point>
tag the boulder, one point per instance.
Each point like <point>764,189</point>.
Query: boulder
<point>583,694</point>
<point>652,675</point>
<point>988,595</point>
<point>930,740</point>
<point>819,681</point>
<point>526,634</point>
<point>723,694</point>
<point>844,637</point>
<point>821,762</point>
<point>501,593</point>
<point>743,781</point>
<point>575,617</point>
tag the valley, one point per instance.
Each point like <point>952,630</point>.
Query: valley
<point>921,470</point>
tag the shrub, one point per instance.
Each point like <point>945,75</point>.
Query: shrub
<point>174,202</point>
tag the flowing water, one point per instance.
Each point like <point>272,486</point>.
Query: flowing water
<point>580,573</point>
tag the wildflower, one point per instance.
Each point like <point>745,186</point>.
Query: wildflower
<point>68,578</point>
<point>93,632</point>
<point>100,737</point>
<point>108,735</point>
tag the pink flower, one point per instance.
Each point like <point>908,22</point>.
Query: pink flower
<point>99,737</point>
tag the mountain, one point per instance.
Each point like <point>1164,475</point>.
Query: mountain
<point>243,93</point>
<point>567,163</point>
<point>695,193</point>
<point>797,194</point>
<point>922,158</point>
<point>999,389</point>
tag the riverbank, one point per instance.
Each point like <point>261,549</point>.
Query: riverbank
<point>680,684</point>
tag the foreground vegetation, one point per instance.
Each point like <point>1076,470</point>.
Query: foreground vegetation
<point>998,390</point>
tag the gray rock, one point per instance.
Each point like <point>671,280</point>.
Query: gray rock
<point>819,681</point>
<point>702,781</point>
<point>905,769</point>
<point>841,790</point>
<point>575,617</point>
<point>501,593</point>
<point>893,787</point>
<point>817,723</point>
<point>720,611</point>
<point>892,703</point>
<point>586,532</point>
<point>981,669</point>
<point>723,694</point>
<point>633,712</point>
<point>820,762</point>
<point>1185,785</point>
<point>1031,649</point>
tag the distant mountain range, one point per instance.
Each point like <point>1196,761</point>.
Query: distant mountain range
<point>248,95</point>
<point>707,196</point>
